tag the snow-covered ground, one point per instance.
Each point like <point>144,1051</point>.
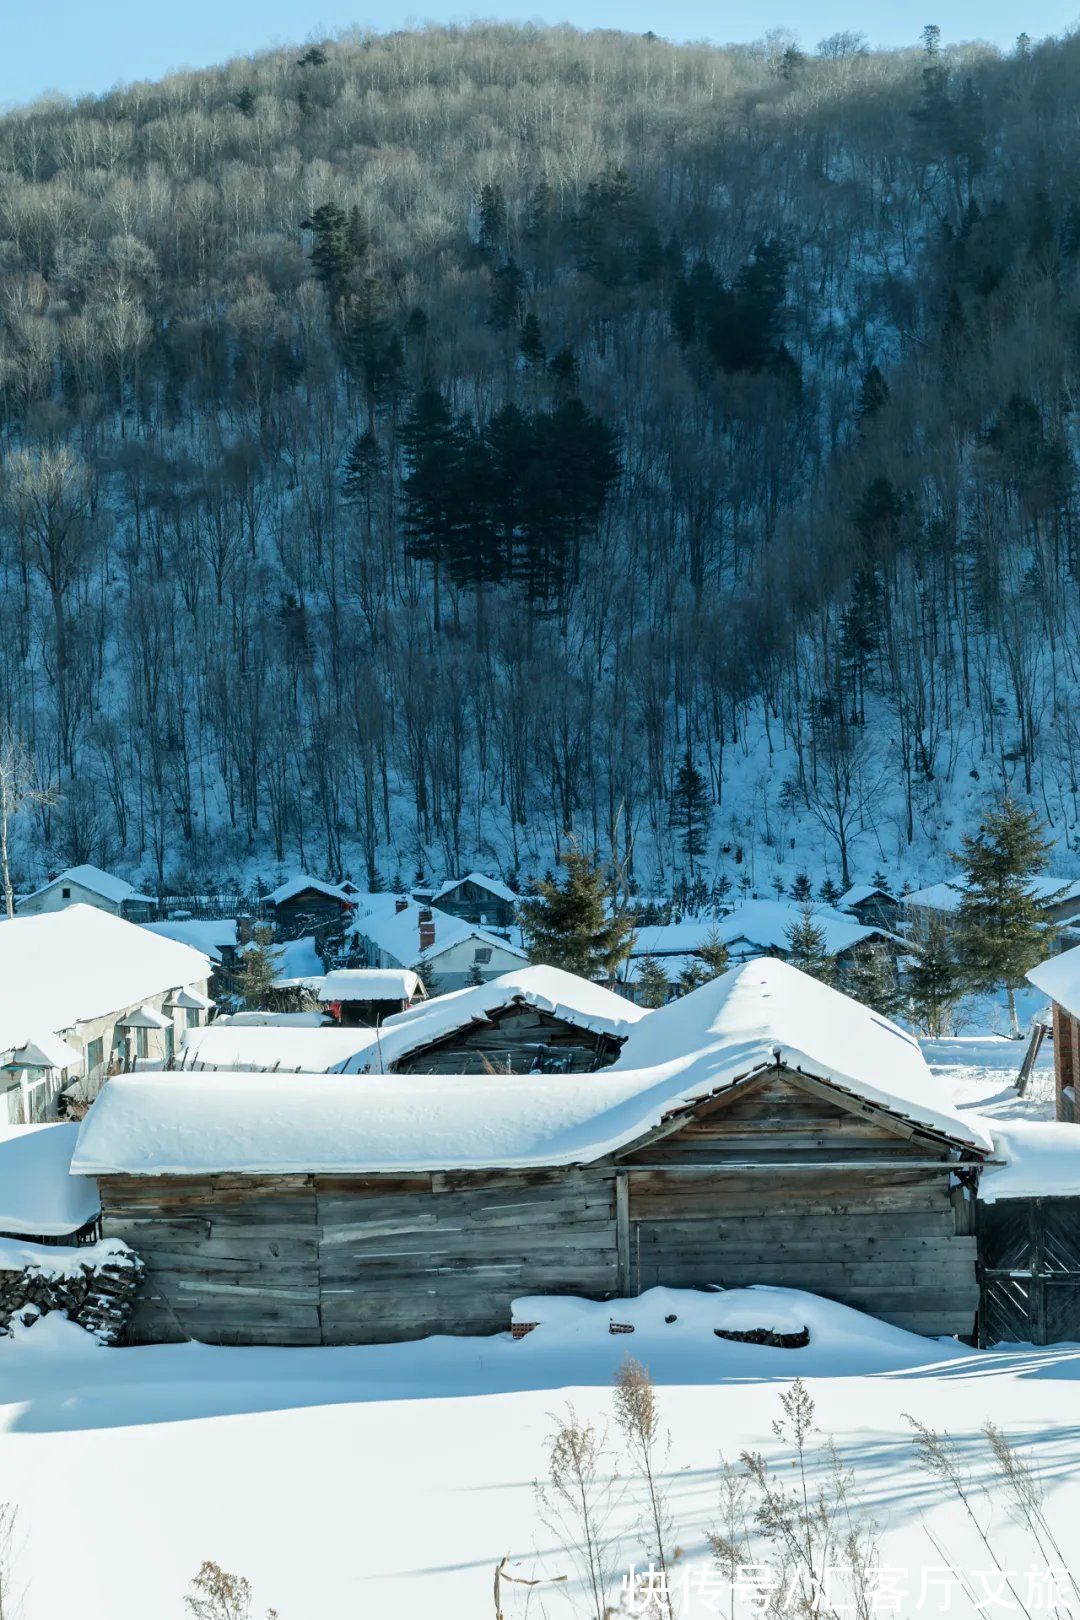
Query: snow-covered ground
<point>393,1479</point>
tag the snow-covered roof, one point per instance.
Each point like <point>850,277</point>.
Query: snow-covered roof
<point>191,1001</point>
<point>552,990</point>
<point>145,1018</point>
<point>859,893</point>
<point>947,895</point>
<point>766,1011</point>
<point>63,968</point>
<point>47,1052</point>
<point>1042,1160</point>
<point>738,1025</point>
<point>110,888</point>
<point>1059,978</point>
<point>265,1047</point>
<point>302,884</point>
<point>261,1016</point>
<point>370,984</point>
<point>38,1195</point>
<point>211,938</point>
<point>760,925</point>
<point>395,929</point>
<point>494,886</point>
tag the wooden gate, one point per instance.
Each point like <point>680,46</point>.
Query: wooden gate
<point>1029,1271</point>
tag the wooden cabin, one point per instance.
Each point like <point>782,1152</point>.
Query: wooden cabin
<point>484,901</point>
<point>794,1138</point>
<point>536,1020</point>
<point>306,905</point>
<point>871,906</point>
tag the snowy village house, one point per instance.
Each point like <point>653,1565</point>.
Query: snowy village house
<point>479,899</point>
<point>765,1129</point>
<point>85,993</point>
<point>391,931</point>
<point>88,886</point>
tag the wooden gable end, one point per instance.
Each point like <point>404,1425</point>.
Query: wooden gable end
<point>515,1039</point>
<point>781,1116</point>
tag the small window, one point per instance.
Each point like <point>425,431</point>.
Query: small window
<point>482,953</point>
<point>95,1054</point>
<point>142,1043</point>
<point>66,893</point>
<point>193,1016</point>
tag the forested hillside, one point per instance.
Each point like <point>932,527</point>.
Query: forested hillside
<point>419,448</point>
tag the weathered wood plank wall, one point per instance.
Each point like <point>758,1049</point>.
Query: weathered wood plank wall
<point>342,1260</point>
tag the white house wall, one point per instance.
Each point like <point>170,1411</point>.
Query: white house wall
<point>52,899</point>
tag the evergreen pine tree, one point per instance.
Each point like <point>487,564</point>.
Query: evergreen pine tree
<point>692,977</point>
<point>806,947</point>
<point>873,395</point>
<point>830,891</point>
<point>935,984</point>
<point>574,925</point>
<point>873,981</point>
<point>714,954</point>
<point>532,342</point>
<point>432,449</point>
<point>507,292</point>
<point>800,888</point>
<point>690,809</point>
<point>258,968</point>
<point>1001,929</point>
<point>491,205</point>
<point>653,984</point>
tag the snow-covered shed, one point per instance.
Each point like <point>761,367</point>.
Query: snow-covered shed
<point>88,886</point>
<point>83,992</point>
<point>533,1020</point>
<point>763,1129</point>
<point>393,931</point>
<point>368,996</point>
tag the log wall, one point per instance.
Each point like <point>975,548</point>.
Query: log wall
<point>357,1260</point>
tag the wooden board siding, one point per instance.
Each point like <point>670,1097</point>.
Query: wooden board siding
<point>885,1235</point>
<point>357,1260</point>
<point>517,1040</point>
<point>886,1244</point>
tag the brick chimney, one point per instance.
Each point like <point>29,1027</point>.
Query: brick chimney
<point>401,904</point>
<point>427,930</point>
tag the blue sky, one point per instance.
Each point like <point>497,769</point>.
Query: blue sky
<point>76,46</point>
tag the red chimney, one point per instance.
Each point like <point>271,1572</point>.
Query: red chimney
<point>401,904</point>
<point>427,931</point>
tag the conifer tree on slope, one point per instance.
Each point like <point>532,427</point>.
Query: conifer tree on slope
<point>690,810</point>
<point>1001,928</point>
<point>806,947</point>
<point>935,984</point>
<point>573,924</point>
